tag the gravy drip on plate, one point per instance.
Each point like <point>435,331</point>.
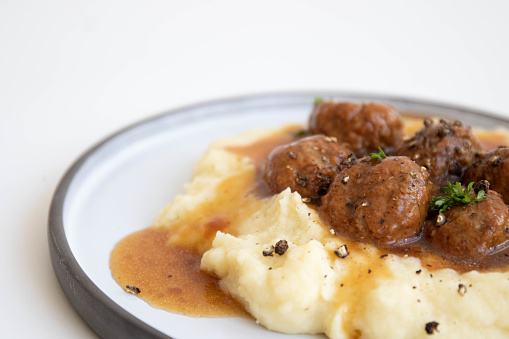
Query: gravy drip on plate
<point>169,277</point>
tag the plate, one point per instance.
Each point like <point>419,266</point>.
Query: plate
<point>122,183</point>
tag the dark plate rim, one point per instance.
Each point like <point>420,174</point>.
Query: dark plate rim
<point>101,313</point>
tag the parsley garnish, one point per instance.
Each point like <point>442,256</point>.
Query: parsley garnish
<point>455,195</point>
<point>318,101</point>
<point>380,155</point>
<point>299,133</point>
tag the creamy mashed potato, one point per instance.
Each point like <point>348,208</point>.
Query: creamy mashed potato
<point>310,289</point>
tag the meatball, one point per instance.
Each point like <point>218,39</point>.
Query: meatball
<point>380,201</point>
<point>307,166</point>
<point>471,231</point>
<point>365,127</point>
<point>445,149</point>
<point>494,167</point>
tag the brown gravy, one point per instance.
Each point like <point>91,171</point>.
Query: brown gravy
<point>258,153</point>
<point>434,261</point>
<point>169,276</point>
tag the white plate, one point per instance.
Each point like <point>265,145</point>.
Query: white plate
<point>121,184</point>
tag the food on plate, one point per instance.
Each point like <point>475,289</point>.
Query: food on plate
<point>493,167</point>
<point>345,234</point>
<point>445,148</point>
<point>307,166</point>
<point>363,126</point>
<point>384,201</point>
<point>473,230</point>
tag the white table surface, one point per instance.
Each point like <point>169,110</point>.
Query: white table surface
<point>73,72</point>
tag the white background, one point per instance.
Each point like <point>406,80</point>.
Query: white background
<point>73,72</point>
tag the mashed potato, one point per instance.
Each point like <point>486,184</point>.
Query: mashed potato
<point>314,287</point>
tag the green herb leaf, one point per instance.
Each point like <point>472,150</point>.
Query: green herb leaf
<point>455,195</point>
<point>470,186</point>
<point>318,101</point>
<point>380,155</point>
<point>299,134</point>
<point>481,195</point>
<point>440,201</point>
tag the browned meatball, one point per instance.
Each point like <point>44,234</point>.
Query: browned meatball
<point>307,166</point>
<point>365,127</point>
<point>445,149</point>
<point>380,201</point>
<point>494,167</point>
<point>472,231</point>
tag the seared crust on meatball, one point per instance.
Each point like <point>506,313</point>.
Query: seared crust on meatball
<point>380,201</point>
<point>472,231</point>
<point>445,149</point>
<point>494,167</point>
<point>365,126</point>
<point>307,166</point>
